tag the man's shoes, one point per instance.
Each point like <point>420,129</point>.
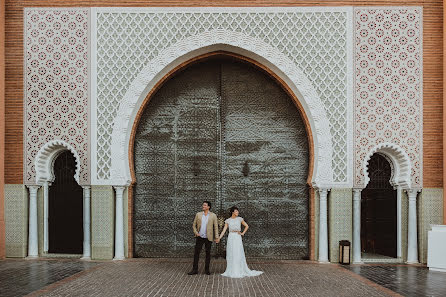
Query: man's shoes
<point>192,272</point>
<point>208,272</point>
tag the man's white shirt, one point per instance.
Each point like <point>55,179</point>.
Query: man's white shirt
<point>203,227</point>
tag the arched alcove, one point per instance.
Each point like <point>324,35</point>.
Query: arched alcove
<point>398,178</point>
<point>379,210</point>
<point>65,207</point>
<point>59,157</point>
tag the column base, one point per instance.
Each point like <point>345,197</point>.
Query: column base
<point>86,258</point>
<point>323,262</point>
<point>412,262</point>
<point>118,258</point>
<point>357,262</point>
<point>437,269</point>
<point>31,257</point>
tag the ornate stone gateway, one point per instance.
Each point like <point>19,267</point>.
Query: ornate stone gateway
<point>224,131</point>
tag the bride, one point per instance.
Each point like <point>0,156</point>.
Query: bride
<point>235,255</point>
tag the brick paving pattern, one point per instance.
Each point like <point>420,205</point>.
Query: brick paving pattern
<point>167,277</point>
<point>20,277</point>
<point>404,279</point>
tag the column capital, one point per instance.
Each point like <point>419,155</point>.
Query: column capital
<point>322,190</point>
<point>119,189</point>
<point>86,187</point>
<point>33,187</point>
<point>357,194</point>
<point>396,187</point>
<point>412,193</point>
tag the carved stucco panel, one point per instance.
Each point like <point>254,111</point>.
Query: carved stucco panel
<point>209,41</point>
<point>318,41</point>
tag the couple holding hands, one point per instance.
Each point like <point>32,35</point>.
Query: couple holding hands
<point>205,228</point>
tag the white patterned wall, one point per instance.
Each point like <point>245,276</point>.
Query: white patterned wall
<point>319,41</point>
<point>316,40</point>
<point>388,83</point>
<point>56,83</point>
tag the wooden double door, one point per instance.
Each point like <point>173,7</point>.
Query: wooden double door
<point>221,130</point>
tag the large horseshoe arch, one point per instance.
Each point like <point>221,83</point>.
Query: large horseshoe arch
<point>222,128</point>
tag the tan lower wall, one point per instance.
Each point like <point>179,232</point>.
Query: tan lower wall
<point>16,221</point>
<point>102,222</point>
<point>430,212</point>
<point>340,207</point>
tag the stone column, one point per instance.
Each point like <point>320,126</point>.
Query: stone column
<point>412,240</point>
<point>87,243</point>
<point>399,192</point>
<point>323,233</point>
<point>356,226</point>
<point>33,250</point>
<point>45,216</point>
<point>119,227</point>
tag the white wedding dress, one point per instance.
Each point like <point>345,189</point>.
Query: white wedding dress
<point>235,254</point>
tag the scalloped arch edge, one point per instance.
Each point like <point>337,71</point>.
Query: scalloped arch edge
<point>44,161</point>
<point>401,164</point>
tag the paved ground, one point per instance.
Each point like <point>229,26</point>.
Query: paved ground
<point>167,277</point>
<point>407,280</point>
<point>20,277</point>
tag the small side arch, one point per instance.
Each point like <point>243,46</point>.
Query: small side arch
<point>399,161</point>
<point>44,162</point>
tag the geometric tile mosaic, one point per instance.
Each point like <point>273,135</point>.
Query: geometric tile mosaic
<point>430,212</point>
<point>56,83</point>
<point>388,84</point>
<point>16,220</point>
<point>102,222</point>
<point>316,40</point>
<point>340,220</point>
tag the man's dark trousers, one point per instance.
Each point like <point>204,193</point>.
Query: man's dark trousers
<point>198,245</point>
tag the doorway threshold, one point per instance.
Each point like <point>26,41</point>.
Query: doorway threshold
<point>55,255</point>
<point>377,258</point>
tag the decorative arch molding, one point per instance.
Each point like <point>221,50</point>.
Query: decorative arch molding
<point>44,162</point>
<point>238,43</point>
<point>399,162</point>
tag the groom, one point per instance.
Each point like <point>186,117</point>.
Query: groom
<point>205,229</point>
